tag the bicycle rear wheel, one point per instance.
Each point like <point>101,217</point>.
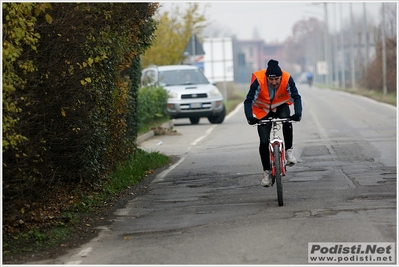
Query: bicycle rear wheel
<point>277,164</point>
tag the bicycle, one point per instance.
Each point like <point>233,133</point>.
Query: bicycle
<point>277,155</point>
<point>310,82</point>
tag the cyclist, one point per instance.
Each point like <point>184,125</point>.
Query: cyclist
<point>309,77</point>
<point>271,92</point>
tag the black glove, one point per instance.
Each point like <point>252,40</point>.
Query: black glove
<point>252,121</point>
<point>296,117</point>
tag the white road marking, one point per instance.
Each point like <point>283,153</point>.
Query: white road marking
<point>160,177</point>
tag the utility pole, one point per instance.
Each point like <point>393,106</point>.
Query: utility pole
<point>353,80</point>
<point>193,48</point>
<point>319,54</point>
<point>366,36</point>
<point>343,65</point>
<point>336,45</point>
<point>359,63</point>
<point>327,47</point>
<point>384,53</point>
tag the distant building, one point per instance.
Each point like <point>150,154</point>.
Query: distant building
<point>258,53</point>
<point>252,55</point>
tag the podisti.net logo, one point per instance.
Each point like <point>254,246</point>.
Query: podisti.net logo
<point>350,252</point>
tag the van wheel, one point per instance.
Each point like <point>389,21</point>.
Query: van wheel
<point>217,119</point>
<point>194,120</point>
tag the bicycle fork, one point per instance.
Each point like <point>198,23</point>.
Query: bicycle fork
<point>280,146</point>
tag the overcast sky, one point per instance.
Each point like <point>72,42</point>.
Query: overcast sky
<point>274,20</point>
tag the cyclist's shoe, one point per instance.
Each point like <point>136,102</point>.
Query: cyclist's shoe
<point>266,180</point>
<point>291,160</point>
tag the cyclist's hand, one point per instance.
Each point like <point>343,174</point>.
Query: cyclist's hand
<point>296,117</point>
<point>252,121</point>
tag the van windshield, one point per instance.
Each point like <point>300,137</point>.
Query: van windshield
<point>181,77</point>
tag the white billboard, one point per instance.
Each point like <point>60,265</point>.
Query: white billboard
<point>218,59</point>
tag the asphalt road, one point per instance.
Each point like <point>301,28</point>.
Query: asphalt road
<point>209,207</point>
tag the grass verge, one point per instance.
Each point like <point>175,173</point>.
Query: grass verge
<point>235,96</point>
<point>389,98</point>
<point>130,173</point>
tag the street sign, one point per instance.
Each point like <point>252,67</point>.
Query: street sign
<point>194,47</point>
<point>322,68</point>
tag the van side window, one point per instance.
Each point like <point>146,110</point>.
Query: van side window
<point>149,78</point>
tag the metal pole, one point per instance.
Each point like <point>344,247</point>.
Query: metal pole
<point>336,46</point>
<point>359,45</point>
<point>322,47</point>
<point>212,60</point>
<point>343,63</point>
<point>326,46</point>
<point>352,50</point>
<point>366,36</point>
<point>193,47</point>
<point>224,69</point>
<point>384,53</point>
<point>317,55</point>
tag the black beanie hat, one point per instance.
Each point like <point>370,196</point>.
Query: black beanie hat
<point>273,70</point>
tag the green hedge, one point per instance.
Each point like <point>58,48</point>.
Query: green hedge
<point>152,104</point>
<point>71,75</point>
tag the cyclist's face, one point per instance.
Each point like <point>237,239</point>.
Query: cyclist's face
<point>274,82</point>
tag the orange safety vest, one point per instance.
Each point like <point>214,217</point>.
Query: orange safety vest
<point>262,105</point>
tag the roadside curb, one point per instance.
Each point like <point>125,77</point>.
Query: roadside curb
<point>167,126</point>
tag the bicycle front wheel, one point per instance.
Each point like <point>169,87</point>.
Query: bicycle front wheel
<point>278,166</point>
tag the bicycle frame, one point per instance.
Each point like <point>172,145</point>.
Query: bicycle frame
<point>276,140</point>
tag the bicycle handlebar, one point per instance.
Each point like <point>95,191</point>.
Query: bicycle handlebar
<point>274,120</point>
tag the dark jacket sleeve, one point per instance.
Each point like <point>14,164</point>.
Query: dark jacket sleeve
<point>295,96</point>
<point>250,99</point>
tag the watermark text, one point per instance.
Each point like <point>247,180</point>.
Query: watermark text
<point>348,252</point>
